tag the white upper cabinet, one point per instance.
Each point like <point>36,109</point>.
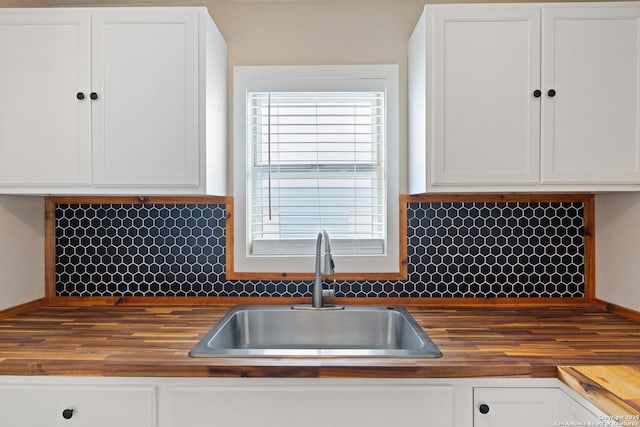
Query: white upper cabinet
<point>136,102</point>
<point>591,123</point>
<point>145,74</point>
<point>45,133</point>
<point>524,97</point>
<point>484,61</point>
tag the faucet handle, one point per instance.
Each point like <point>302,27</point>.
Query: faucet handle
<point>328,294</point>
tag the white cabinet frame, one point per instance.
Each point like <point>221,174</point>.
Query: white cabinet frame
<point>195,402</point>
<point>525,97</point>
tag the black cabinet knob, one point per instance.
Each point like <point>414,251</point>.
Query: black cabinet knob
<point>80,95</point>
<point>67,414</point>
<point>537,93</point>
<point>93,96</point>
<point>484,408</point>
<point>551,93</point>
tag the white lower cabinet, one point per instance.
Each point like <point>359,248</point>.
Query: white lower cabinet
<point>314,404</point>
<point>428,402</point>
<point>522,407</point>
<point>527,407</point>
<point>37,401</point>
<point>572,413</point>
<point>49,403</point>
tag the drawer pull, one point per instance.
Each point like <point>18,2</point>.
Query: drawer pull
<point>484,408</point>
<point>67,414</point>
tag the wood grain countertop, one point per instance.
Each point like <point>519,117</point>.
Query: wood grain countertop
<point>614,389</point>
<point>154,341</point>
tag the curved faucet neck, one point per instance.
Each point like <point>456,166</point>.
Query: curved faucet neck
<point>317,300</point>
<point>327,241</point>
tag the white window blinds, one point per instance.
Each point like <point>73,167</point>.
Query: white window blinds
<point>316,160</point>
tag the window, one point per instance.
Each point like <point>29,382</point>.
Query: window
<point>315,148</point>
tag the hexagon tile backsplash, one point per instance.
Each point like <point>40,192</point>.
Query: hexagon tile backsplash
<point>455,249</point>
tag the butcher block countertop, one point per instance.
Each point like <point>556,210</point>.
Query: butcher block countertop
<point>595,352</point>
<point>614,389</point>
<point>152,341</point>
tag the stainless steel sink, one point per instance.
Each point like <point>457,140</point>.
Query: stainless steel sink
<point>277,331</point>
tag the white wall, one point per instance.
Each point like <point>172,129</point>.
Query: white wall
<point>21,3</point>
<point>21,250</point>
<point>617,236</point>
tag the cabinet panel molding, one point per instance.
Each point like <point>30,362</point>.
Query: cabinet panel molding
<point>487,123</point>
<point>591,124</point>
<point>145,121</point>
<point>45,129</point>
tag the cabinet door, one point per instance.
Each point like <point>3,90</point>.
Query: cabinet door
<point>486,65</point>
<point>43,405</point>
<point>573,412</point>
<point>290,405</point>
<point>145,119</point>
<point>45,130</point>
<point>511,407</point>
<point>590,127</point>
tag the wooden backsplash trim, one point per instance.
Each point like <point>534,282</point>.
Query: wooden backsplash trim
<point>589,248</point>
<point>490,198</point>
<point>138,200</point>
<point>589,243</point>
<point>617,309</point>
<point>50,221</point>
<point>402,301</point>
<point>589,220</point>
<point>22,308</point>
<point>402,274</point>
<point>49,248</point>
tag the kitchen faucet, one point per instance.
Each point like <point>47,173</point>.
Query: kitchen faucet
<point>317,292</point>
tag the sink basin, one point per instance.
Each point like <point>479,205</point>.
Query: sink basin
<point>280,331</point>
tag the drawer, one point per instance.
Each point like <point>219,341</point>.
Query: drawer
<point>39,405</point>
